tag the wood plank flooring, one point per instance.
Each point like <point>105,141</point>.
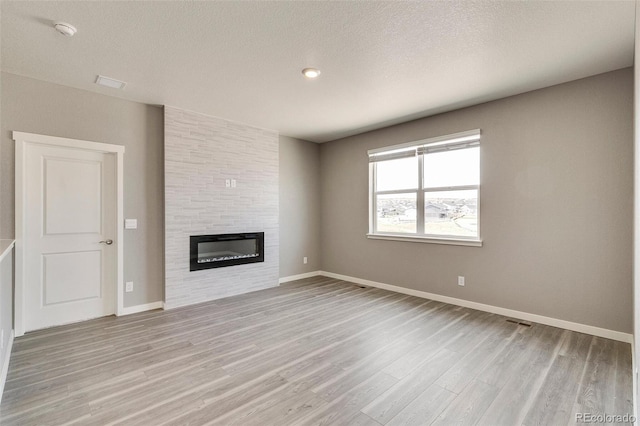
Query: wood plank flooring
<point>314,352</point>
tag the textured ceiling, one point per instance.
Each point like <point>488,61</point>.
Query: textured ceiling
<point>382,62</point>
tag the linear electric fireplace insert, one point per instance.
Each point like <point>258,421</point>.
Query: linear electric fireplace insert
<point>215,251</point>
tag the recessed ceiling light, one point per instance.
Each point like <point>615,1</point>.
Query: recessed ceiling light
<point>311,72</point>
<point>110,82</point>
<point>65,29</point>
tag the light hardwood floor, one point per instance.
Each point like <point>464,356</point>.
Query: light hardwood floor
<point>315,351</point>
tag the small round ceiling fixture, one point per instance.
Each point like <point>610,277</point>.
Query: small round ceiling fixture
<point>65,29</point>
<point>311,72</point>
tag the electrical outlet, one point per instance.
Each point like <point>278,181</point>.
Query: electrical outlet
<point>233,183</point>
<point>461,281</point>
<point>129,287</point>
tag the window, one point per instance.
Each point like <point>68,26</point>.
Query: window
<point>427,190</point>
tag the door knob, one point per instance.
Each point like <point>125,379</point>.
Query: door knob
<point>107,242</point>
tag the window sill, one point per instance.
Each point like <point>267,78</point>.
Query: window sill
<point>427,240</point>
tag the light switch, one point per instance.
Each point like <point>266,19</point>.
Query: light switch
<point>131,224</point>
<point>227,183</point>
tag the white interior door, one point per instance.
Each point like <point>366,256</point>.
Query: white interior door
<point>69,224</point>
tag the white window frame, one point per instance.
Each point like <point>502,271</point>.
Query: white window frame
<point>419,147</point>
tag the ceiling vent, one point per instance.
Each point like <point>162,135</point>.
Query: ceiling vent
<point>110,82</point>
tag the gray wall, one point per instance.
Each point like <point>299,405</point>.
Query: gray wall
<point>557,203</point>
<point>299,206</point>
<point>6,276</point>
<point>34,106</point>
<point>201,153</point>
<point>559,160</point>
<point>636,245</point>
<point>1,156</point>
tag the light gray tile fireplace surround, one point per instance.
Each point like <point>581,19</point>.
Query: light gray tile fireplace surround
<point>201,154</point>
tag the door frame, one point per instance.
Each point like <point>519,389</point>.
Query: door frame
<point>23,139</point>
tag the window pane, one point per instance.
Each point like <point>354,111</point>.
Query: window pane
<point>452,168</point>
<point>397,174</point>
<point>396,213</point>
<point>451,213</point>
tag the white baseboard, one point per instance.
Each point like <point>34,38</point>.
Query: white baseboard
<point>634,368</point>
<point>5,365</point>
<point>554,322</point>
<point>142,308</point>
<point>299,277</point>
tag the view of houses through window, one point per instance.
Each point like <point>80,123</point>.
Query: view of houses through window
<point>430,192</point>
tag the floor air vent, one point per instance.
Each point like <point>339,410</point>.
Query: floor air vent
<point>526,324</point>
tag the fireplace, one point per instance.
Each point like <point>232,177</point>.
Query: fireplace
<point>216,251</point>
